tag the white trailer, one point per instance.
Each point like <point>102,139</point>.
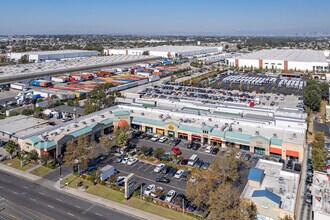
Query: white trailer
<point>18,86</point>
<point>57,79</point>
<point>107,172</point>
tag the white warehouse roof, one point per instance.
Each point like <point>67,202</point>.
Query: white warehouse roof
<point>56,52</point>
<point>286,54</point>
<point>176,49</point>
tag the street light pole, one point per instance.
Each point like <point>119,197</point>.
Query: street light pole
<point>141,191</point>
<point>183,205</point>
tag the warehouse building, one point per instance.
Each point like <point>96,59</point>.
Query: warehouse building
<point>284,59</point>
<point>273,190</point>
<point>41,56</point>
<point>165,51</point>
<point>273,132</point>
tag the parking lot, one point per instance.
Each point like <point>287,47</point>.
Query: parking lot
<point>219,96</point>
<point>269,83</point>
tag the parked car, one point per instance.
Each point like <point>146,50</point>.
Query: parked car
<point>142,136</point>
<point>175,142</point>
<point>185,175</point>
<point>208,149</point>
<point>148,151</point>
<point>120,180</point>
<point>170,195</point>
<point>205,165</point>
<point>172,171</point>
<point>309,162</point>
<point>159,167</point>
<point>120,158</point>
<point>184,161</point>
<point>166,169</point>
<point>178,174</point>
<point>149,190</point>
<point>199,164</point>
<point>155,138</point>
<point>310,172</point>
<point>289,164</point>
<point>158,190</point>
<point>309,180</point>
<point>148,136</point>
<point>176,150</point>
<point>165,157</point>
<point>214,151</point>
<point>308,198</point>
<point>162,139</point>
<point>124,160</point>
<point>132,161</point>
<point>163,179</point>
<point>297,167</point>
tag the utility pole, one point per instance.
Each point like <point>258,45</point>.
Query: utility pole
<point>183,205</point>
<point>141,191</point>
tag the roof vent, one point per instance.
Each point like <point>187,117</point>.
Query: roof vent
<point>102,116</point>
<point>240,129</point>
<point>203,123</point>
<point>216,126</point>
<point>210,119</point>
<point>257,133</point>
<point>274,135</point>
<point>294,135</point>
<point>84,122</point>
<point>92,120</point>
<point>110,112</point>
<point>132,111</point>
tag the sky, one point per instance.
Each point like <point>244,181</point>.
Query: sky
<point>169,17</point>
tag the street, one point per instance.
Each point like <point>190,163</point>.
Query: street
<point>28,200</point>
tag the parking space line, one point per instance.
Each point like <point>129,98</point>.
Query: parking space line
<point>141,166</point>
<point>148,167</point>
<point>134,164</point>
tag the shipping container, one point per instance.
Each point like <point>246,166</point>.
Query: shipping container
<point>18,86</point>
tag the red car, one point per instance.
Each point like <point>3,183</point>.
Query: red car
<point>176,150</point>
<point>184,162</point>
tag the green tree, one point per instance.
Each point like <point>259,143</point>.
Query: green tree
<point>105,143</point>
<point>24,59</point>
<point>312,99</point>
<point>11,146</point>
<point>287,217</point>
<point>27,112</point>
<point>70,102</point>
<point>158,152</point>
<point>99,98</point>
<point>319,153</point>
<point>324,87</point>
<point>122,138</point>
<point>33,155</point>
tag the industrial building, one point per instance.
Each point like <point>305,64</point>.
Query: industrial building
<point>282,59</point>
<point>273,190</point>
<point>41,56</point>
<point>273,132</point>
<point>165,51</point>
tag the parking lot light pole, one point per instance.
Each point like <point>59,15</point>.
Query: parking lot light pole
<point>141,191</point>
<point>183,205</point>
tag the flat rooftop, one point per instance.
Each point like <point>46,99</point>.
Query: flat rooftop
<point>20,126</point>
<point>173,48</point>
<point>282,183</point>
<point>286,54</point>
<point>53,52</point>
<point>321,190</point>
<point>12,72</point>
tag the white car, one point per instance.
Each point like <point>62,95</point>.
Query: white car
<point>125,160</point>
<point>170,195</point>
<point>155,138</point>
<point>208,149</point>
<point>132,161</point>
<point>149,190</point>
<point>162,139</point>
<point>120,180</point>
<point>178,174</point>
<point>159,168</point>
<point>154,193</point>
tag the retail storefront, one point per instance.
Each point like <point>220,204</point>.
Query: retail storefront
<point>292,155</point>
<point>244,147</point>
<point>183,136</point>
<point>160,131</point>
<point>216,141</point>
<point>259,151</point>
<point>196,138</point>
<point>275,153</point>
<point>149,130</point>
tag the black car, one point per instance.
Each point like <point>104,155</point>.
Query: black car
<point>214,151</point>
<point>189,146</point>
<point>309,162</point>
<point>166,169</point>
<point>175,142</point>
<point>185,175</point>
<point>179,199</point>
<point>196,146</point>
<point>199,164</point>
<point>289,164</point>
<point>120,158</point>
<point>142,136</point>
<point>172,171</point>
<point>309,180</point>
<point>148,151</point>
<point>205,165</point>
<point>163,179</point>
<point>297,167</point>
<point>148,136</point>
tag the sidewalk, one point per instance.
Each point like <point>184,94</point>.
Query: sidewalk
<point>33,168</point>
<point>92,198</point>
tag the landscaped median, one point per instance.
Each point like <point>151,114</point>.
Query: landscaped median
<point>16,163</point>
<point>117,196</point>
<point>40,171</point>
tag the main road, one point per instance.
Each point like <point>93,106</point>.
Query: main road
<point>28,200</point>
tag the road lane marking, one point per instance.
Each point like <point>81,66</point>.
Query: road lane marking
<point>78,207</point>
<point>25,187</point>
<point>1,187</point>
<point>41,193</point>
<point>33,199</point>
<point>15,192</point>
<point>98,214</point>
<point>88,209</point>
<point>141,166</point>
<point>50,206</point>
<point>70,213</point>
<point>60,200</point>
<point>134,165</point>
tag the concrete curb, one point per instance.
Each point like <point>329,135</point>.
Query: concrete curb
<point>92,198</point>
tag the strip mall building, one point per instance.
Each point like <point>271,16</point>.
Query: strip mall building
<point>265,131</point>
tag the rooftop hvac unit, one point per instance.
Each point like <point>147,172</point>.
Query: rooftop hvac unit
<point>203,123</point>
<point>142,113</point>
<point>294,135</point>
<point>210,119</point>
<point>257,133</point>
<point>110,112</point>
<point>92,120</point>
<point>102,116</point>
<point>132,111</point>
<point>216,126</point>
<point>240,129</point>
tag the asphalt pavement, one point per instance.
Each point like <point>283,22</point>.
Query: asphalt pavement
<point>28,200</point>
